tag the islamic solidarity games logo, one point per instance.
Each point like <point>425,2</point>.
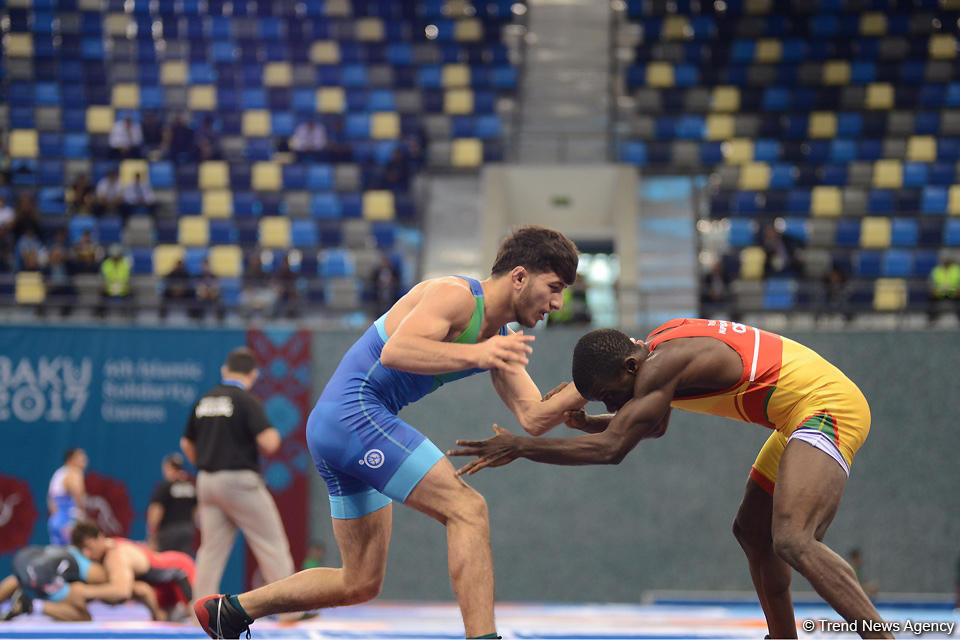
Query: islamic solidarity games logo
<point>373,458</point>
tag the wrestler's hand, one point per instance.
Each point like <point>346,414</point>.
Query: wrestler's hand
<point>505,352</point>
<point>497,451</point>
<point>576,419</point>
<point>557,389</point>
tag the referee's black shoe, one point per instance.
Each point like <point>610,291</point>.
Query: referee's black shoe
<point>219,618</point>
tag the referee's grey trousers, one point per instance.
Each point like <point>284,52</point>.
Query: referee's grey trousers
<point>231,499</point>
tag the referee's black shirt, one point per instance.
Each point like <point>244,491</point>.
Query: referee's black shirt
<point>224,426</point>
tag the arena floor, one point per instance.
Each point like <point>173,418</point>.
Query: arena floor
<point>401,620</point>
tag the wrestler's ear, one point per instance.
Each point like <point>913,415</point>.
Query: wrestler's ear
<point>631,364</point>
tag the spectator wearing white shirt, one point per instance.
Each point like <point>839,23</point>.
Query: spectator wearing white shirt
<point>139,195</point>
<point>110,195</point>
<point>309,140</point>
<point>126,138</point>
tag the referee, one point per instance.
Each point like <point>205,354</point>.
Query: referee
<point>222,437</point>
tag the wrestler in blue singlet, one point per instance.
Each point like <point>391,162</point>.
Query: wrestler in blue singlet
<point>46,572</point>
<point>365,453</point>
<point>65,513</point>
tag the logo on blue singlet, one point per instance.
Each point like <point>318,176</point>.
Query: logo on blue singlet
<point>373,458</point>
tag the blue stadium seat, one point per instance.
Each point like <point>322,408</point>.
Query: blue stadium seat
<point>303,234</point>
<point>223,232</point>
<point>161,175</point>
<point>848,233</point>
<point>109,230</point>
<point>951,232</point>
<point>867,264</point>
<point>923,263</point>
<point>319,177</point>
<point>779,293</point>
<point>80,224</point>
<point>189,203</point>
<point>142,260</point>
<point>904,232</point>
<point>326,205</point>
<point>896,263</point>
<point>294,176</point>
<point>742,232</point>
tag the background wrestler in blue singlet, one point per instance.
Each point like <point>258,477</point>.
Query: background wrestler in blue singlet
<point>66,496</point>
<point>443,329</point>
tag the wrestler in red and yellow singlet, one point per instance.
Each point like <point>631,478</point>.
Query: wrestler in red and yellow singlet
<point>784,386</point>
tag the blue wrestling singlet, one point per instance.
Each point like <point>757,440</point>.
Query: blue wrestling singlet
<point>365,453</point>
<point>46,572</point>
<point>66,511</point>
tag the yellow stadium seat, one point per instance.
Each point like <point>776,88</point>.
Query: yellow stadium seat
<point>275,232</point>
<point>193,231</point>
<point>953,200</point>
<point>836,72</point>
<point>943,46</point>
<point>466,152</point>
<point>130,168</point>
<point>822,124</point>
<point>337,8</point>
<point>458,101</point>
<point>468,30</point>
<point>888,174</point>
<point>768,51</point>
<point>24,143</point>
<point>173,72</point>
<point>165,258</point>
<point>873,23</point>
<point>676,27</point>
<point>752,260</point>
<point>325,52</point>
<point>720,126</point>
<point>660,74</point>
<point>330,100</point>
<point>755,176</point>
<point>725,99</point>
<point>455,75</point>
<point>737,151</point>
<point>99,119</point>
<point>116,24</point>
<point>28,287</point>
<point>826,201</point>
<point>125,95</point>
<point>385,125</point>
<point>214,174</point>
<point>226,260</point>
<point>18,45</point>
<point>369,29</point>
<point>267,176</point>
<point>378,205</point>
<point>277,74</point>
<point>879,95</point>
<point>889,294</point>
<point>217,203</point>
<point>875,233</point>
<point>922,149</point>
<point>256,123</point>
<point>202,97</point>
<point>757,7</point>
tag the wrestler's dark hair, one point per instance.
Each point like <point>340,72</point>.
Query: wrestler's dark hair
<point>69,454</point>
<point>599,356</point>
<point>83,531</point>
<point>241,360</point>
<point>539,250</point>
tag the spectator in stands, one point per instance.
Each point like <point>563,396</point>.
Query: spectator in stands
<point>285,286</point>
<point>6,235</point>
<point>416,144</point>
<point>86,254</point>
<point>258,294</point>
<point>30,252</point>
<point>715,292</point>
<point>80,196</point>
<point>836,292</point>
<point>109,196</point>
<point>126,139</point>
<point>58,277</point>
<point>26,216</point>
<point>152,129</point>
<point>208,290</point>
<point>178,285</point>
<point>944,286</point>
<point>396,173</point>
<point>115,271</point>
<point>138,196</point>
<point>208,141</point>
<point>386,284</point>
<point>338,149</point>
<point>178,140</point>
<point>783,258</point>
<point>309,140</point>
